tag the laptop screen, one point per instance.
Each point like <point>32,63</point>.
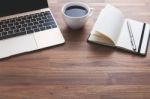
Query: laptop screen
<point>10,7</point>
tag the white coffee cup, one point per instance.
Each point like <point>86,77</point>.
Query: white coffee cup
<point>76,22</point>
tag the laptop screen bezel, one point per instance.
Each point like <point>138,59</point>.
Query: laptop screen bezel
<point>12,7</point>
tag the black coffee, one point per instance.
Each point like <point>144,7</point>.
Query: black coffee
<point>76,11</point>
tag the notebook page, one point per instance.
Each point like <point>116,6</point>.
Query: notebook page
<point>145,39</point>
<point>124,40</point>
<point>101,39</point>
<point>109,23</point>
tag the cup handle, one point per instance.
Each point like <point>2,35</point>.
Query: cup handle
<point>91,11</point>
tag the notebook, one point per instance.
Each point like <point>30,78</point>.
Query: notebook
<point>111,29</point>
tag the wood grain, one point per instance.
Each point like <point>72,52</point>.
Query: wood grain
<point>77,69</point>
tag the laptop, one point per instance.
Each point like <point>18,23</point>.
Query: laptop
<point>27,25</point>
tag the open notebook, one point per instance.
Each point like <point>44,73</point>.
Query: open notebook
<point>111,29</point>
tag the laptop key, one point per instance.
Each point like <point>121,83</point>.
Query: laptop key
<point>6,29</point>
<point>23,18</point>
<point>4,34</point>
<point>35,16</point>
<point>5,37</point>
<point>22,33</point>
<point>22,29</point>
<point>36,30</point>
<point>28,28</point>
<point>44,18</point>
<point>24,25</point>
<point>47,20</point>
<point>12,20</point>
<point>34,27</point>
<point>40,25</point>
<point>10,32</point>
<point>10,24</point>
<point>35,23</point>
<point>7,21</point>
<point>42,28</point>
<point>54,26</point>
<point>47,13</point>
<point>33,20</point>
<point>19,33</point>
<point>30,24</point>
<point>3,26</point>
<point>48,27</point>
<point>16,31</point>
<point>16,23</point>
<point>28,21</point>
<point>29,31</point>
<point>18,19</point>
<point>21,22</point>
<point>12,28</point>
<point>1,30</point>
<point>41,21</point>
<point>47,24</point>
<point>29,17</point>
<point>18,26</point>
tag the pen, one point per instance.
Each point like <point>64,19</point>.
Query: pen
<point>131,36</point>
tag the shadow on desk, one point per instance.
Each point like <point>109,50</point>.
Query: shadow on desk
<point>107,50</point>
<point>75,35</point>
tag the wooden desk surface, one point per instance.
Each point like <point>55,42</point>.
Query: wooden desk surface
<point>79,70</point>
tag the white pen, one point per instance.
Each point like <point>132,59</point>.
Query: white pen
<point>131,36</point>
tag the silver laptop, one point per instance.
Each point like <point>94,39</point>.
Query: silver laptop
<point>27,25</point>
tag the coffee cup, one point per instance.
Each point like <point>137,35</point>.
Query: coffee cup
<point>75,14</point>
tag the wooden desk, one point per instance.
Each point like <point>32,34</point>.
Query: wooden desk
<point>80,70</point>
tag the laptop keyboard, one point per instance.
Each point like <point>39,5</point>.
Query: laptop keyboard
<point>26,25</point>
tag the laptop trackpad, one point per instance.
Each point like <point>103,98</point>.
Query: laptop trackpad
<point>17,45</point>
<point>48,38</point>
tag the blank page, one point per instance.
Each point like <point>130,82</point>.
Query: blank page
<point>109,23</point>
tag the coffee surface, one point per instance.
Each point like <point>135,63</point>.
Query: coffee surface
<point>76,11</point>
